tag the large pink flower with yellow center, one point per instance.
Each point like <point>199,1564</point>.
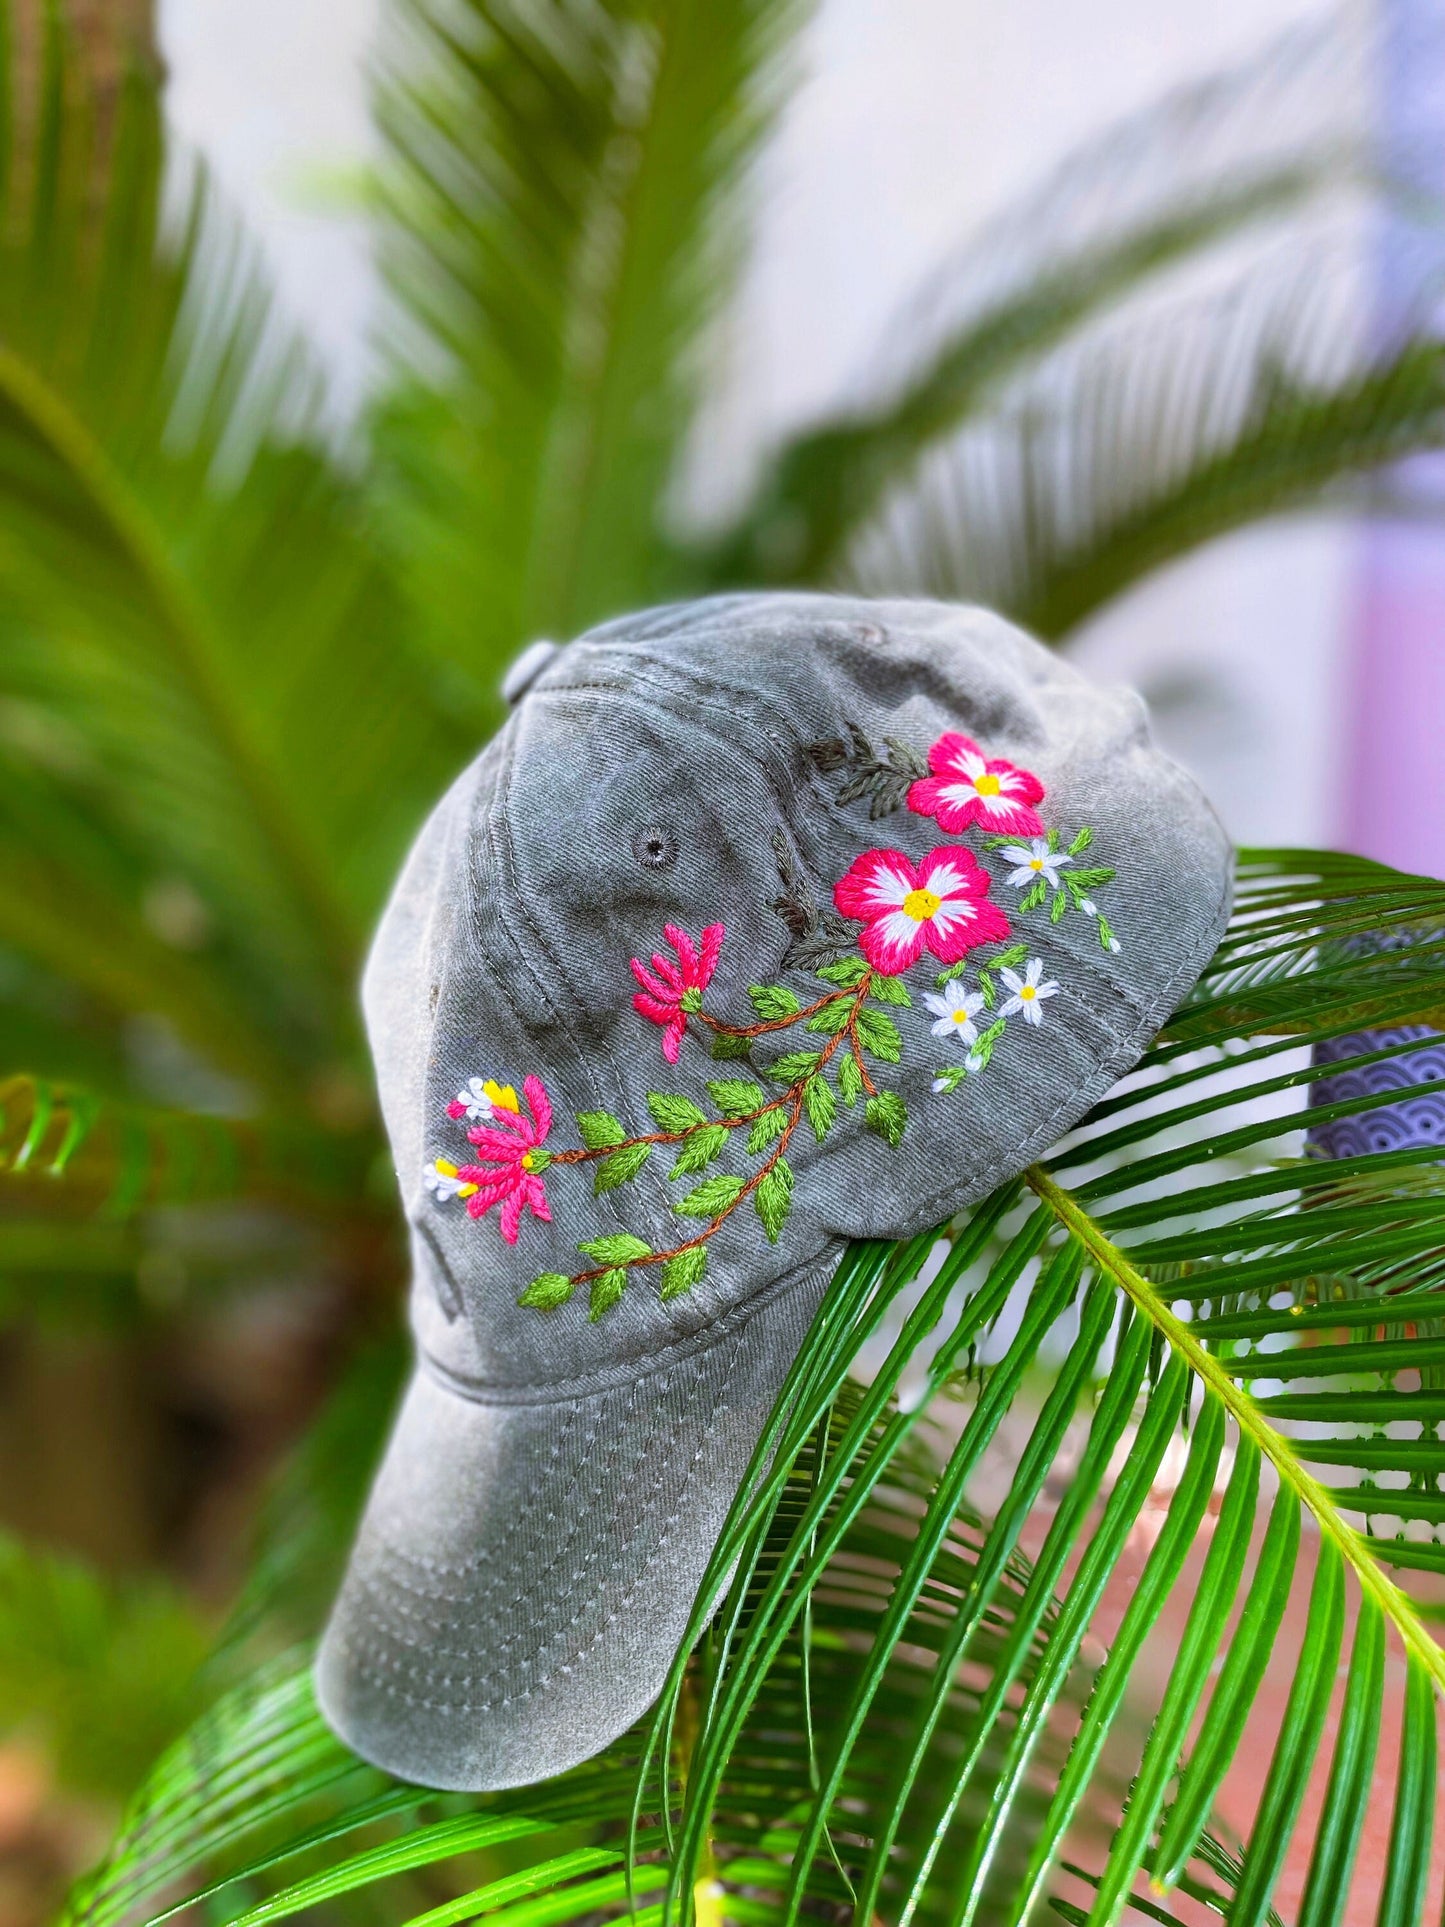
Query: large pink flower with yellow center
<point>967,787</point>
<point>941,906</point>
<point>508,1172</point>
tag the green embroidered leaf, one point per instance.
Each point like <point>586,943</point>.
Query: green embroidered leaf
<point>547,1292</point>
<point>767,1125</point>
<point>724,1046</point>
<point>1084,880</point>
<point>1052,839</point>
<point>850,1080</point>
<point>773,1199</point>
<point>605,1293</point>
<point>617,1248</point>
<point>986,990</point>
<point>822,1106</point>
<point>887,1114</point>
<point>1107,939</point>
<point>690,1000</point>
<point>948,1077</point>
<point>772,1001</point>
<point>599,1129</point>
<point>796,1064</point>
<point>710,1197</point>
<point>539,1159</point>
<point>699,1150</point>
<point>681,1273</point>
<point>735,1096</point>
<point>620,1168</point>
<point>1058,906</point>
<point>890,990</point>
<point>831,1018</point>
<point>846,972</point>
<point>1015,953</point>
<point>1034,897</point>
<point>1081,842</point>
<point>947,976</point>
<point>983,1050</point>
<point>879,1034</point>
<point>674,1113</point>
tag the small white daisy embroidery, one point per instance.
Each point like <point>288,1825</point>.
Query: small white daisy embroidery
<point>955,1011</point>
<point>1032,861</point>
<point>1028,992</point>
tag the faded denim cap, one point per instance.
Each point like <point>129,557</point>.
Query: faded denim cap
<point>765,923</point>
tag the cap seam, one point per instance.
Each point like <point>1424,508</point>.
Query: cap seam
<point>626,1371</point>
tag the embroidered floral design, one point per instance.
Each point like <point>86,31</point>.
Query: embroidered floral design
<point>442,1178</point>
<point>1028,992</point>
<point>968,788</point>
<point>886,913</point>
<point>507,1172</point>
<point>1033,861</point>
<point>479,1097</point>
<point>939,906</point>
<point>955,1010</point>
<point>884,779</point>
<point>670,991</point>
<point>1039,871</point>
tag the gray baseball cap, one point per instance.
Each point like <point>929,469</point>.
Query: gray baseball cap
<point>765,923</point>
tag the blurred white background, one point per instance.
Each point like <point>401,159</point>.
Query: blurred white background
<point>917,121</point>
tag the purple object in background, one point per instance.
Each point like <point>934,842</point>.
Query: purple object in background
<point>1419,1120</point>
<point>1393,800</point>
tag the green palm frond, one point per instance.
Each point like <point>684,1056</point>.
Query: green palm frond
<point>114,1159</point>
<point>186,586</point>
<point>1130,450</point>
<point>560,186</point>
<point>1234,156</point>
<point>890,1708</point>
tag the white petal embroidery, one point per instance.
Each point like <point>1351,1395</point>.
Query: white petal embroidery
<point>1033,861</point>
<point>955,1011</point>
<point>444,1182</point>
<point>1029,992</point>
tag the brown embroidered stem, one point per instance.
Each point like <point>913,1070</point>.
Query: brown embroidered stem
<point>661,1257</point>
<point>783,1023</point>
<point>585,1156</point>
<point>857,994</point>
<point>793,1097</point>
<point>857,1049</point>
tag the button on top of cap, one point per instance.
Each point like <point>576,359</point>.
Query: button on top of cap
<point>526,669</point>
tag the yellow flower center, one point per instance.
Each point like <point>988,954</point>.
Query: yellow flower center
<point>1028,993</point>
<point>502,1094</point>
<point>528,1162</point>
<point>986,785</point>
<point>1036,863</point>
<point>446,1167</point>
<point>921,905</point>
<point>960,1017</point>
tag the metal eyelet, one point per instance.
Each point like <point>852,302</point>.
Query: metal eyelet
<point>655,849</point>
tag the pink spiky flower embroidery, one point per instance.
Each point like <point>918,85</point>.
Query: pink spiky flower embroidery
<point>669,990</point>
<point>507,1171</point>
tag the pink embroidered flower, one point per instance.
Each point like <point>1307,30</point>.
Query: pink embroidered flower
<point>968,787</point>
<point>670,990</point>
<point>940,907</point>
<point>508,1171</point>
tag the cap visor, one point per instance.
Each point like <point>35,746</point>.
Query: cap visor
<point>525,1570</point>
